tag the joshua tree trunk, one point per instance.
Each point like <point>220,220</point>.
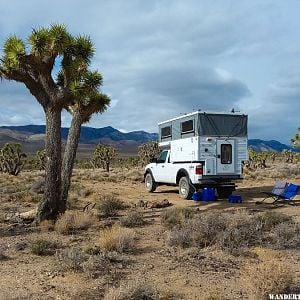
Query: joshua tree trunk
<point>49,206</point>
<point>107,166</point>
<point>69,157</point>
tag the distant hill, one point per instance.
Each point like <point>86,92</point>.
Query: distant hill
<point>32,138</point>
<point>261,145</point>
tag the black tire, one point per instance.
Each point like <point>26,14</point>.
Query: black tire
<point>150,184</point>
<point>185,188</point>
<point>224,192</point>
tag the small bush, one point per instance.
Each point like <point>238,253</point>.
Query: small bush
<point>181,237</point>
<point>133,291</point>
<point>176,216</point>
<point>96,266</point>
<point>3,256</point>
<point>43,247</point>
<point>71,259</point>
<point>109,205</point>
<point>71,222</point>
<point>268,277</point>
<point>117,239</point>
<point>133,219</point>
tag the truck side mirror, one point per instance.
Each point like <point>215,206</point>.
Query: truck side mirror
<point>153,160</point>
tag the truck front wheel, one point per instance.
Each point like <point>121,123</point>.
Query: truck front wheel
<point>185,188</point>
<point>150,184</point>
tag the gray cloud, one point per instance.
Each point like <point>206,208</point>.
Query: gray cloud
<point>163,58</point>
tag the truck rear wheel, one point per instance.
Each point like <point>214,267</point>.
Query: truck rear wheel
<point>150,184</point>
<point>185,188</point>
<point>224,192</point>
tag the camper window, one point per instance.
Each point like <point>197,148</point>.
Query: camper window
<point>166,132</point>
<point>226,154</point>
<point>187,126</point>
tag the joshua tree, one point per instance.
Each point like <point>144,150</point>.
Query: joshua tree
<point>32,64</point>
<point>148,151</point>
<point>12,159</point>
<point>87,101</point>
<point>103,155</point>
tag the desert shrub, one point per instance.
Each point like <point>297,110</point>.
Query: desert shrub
<point>235,231</point>
<point>133,291</point>
<point>43,247</point>
<point>71,259</point>
<point>134,218</point>
<point>268,277</point>
<point>71,222</point>
<point>117,239</point>
<point>270,219</point>
<point>176,216</point>
<point>109,205</point>
<point>95,266</point>
<point>286,236</point>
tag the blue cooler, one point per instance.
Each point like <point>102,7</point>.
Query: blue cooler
<point>197,196</point>
<point>208,194</point>
<point>235,199</point>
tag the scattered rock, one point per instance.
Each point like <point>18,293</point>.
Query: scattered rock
<point>38,187</point>
<point>20,246</point>
<point>153,204</point>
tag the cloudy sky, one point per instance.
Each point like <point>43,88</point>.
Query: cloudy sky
<point>162,58</point>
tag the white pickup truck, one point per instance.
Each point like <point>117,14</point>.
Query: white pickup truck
<point>200,150</point>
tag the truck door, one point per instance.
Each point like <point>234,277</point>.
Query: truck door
<point>225,156</point>
<point>161,172</point>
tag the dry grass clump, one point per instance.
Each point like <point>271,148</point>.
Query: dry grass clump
<point>268,277</point>
<point>133,291</point>
<point>109,205</point>
<point>176,216</point>
<point>235,231</point>
<point>117,239</point>
<point>46,225</point>
<point>71,259</point>
<point>134,218</point>
<point>43,247</point>
<point>135,175</point>
<point>70,222</point>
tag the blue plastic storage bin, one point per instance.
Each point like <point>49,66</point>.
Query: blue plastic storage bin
<point>235,199</point>
<point>208,194</point>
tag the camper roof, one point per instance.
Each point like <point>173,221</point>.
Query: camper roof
<point>202,112</point>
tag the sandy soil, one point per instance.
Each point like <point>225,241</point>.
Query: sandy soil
<point>28,276</point>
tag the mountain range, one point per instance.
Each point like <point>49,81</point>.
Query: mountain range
<point>32,139</point>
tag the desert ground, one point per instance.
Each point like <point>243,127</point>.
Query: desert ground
<point>139,250</point>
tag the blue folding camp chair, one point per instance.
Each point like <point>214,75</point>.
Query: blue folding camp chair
<point>278,189</point>
<point>289,194</point>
